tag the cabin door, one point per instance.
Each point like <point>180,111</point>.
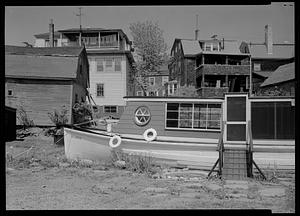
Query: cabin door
<point>236,115</point>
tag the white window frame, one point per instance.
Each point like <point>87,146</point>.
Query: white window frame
<point>150,81</point>
<point>164,80</point>
<point>139,92</point>
<point>112,62</point>
<point>120,60</point>
<point>110,106</point>
<point>98,61</point>
<point>97,89</point>
<point>155,92</point>
<point>193,109</point>
<point>256,66</point>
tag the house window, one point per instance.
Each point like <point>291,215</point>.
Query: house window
<point>76,98</point>
<point>108,63</point>
<point>207,47</point>
<point>151,81</point>
<point>100,90</point>
<point>152,93</point>
<point>139,93</point>
<point>165,79</point>
<point>110,109</point>
<point>256,67</point>
<point>80,69</point>
<point>118,64</point>
<point>197,116</point>
<point>100,65</point>
<point>9,92</point>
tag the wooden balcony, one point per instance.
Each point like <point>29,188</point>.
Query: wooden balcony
<point>212,69</point>
<point>111,45</point>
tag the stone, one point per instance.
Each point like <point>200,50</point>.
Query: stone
<point>272,192</point>
<point>213,187</point>
<point>155,190</point>
<point>156,176</point>
<point>189,195</point>
<point>237,196</point>
<point>236,184</point>
<point>120,164</point>
<point>63,165</point>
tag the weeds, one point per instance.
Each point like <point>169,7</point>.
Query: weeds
<point>24,118</point>
<point>136,163</point>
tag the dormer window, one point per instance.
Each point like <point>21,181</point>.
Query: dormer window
<point>211,47</point>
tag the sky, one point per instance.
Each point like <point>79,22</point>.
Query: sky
<point>240,22</point>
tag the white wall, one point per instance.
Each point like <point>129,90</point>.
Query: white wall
<point>114,83</point>
<point>39,43</point>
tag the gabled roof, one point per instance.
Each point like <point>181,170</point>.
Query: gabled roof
<point>41,63</point>
<point>264,74</point>
<point>281,74</point>
<point>279,51</point>
<point>190,47</point>
<point>162,71</point>
<point>43,51</point>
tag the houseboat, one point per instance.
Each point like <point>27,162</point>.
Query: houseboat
<point>196,132</point>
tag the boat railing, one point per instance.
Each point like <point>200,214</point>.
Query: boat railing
<point>249,154</point>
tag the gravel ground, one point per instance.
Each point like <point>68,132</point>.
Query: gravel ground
<point>43,179</point>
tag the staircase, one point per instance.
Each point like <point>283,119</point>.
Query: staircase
<point>235,164</point>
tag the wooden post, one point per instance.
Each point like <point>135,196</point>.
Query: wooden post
<point>99,40</point>
<point>226,80</point>
<point>226,60</point>
<point>118,41</point>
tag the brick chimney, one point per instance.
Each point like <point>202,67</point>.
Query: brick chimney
<point>269,39</point>
<point>51,33</point>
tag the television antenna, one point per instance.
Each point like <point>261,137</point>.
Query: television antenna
<point>79,14</point>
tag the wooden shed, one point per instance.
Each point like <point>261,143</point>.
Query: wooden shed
<point>40,80</point>
<point>10,123</point>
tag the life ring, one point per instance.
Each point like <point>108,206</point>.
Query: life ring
<point>150,134</point>
<point>111,141</point>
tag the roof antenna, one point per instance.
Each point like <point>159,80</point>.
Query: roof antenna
<point>197,30</point>
<point>79,14</point>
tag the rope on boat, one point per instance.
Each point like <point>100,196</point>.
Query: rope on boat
<point>23,152</point>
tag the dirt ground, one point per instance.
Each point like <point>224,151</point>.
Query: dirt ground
<point>42,178</point>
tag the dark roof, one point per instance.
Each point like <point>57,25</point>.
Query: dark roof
<point>41,63</point>
<point>281,74</point>
<point>264,74</point>
<point>46,35</point>
<point>43,51</point>
<point>278,51</point>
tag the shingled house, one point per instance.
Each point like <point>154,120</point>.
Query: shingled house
<point>213,66</point>
<point>267,57</point>
<point>280,82</point>
<point>43,79</point>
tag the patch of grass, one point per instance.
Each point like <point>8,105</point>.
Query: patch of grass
<point>141,163</point>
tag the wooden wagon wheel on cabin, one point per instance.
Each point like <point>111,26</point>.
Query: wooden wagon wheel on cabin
<point>142,116</point>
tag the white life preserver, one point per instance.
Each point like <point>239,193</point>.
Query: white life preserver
<point>111,141</point>
<point>150,134</point>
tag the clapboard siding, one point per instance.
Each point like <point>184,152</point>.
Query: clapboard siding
<point>39,99</point>
<point>114,82</point>
<point>127,125</point>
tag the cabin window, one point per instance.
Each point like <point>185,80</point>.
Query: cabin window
<point>199,116</point>
<point>110,109</point>
<point>100,65</point>
<point>142,116</point>
<point>100,90</point>
<point>118,64</point>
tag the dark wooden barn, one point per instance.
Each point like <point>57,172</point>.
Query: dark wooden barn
<point>40,80</point>
<point>10,124</point>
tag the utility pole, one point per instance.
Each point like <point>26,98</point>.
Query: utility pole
<point>79,14</point>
